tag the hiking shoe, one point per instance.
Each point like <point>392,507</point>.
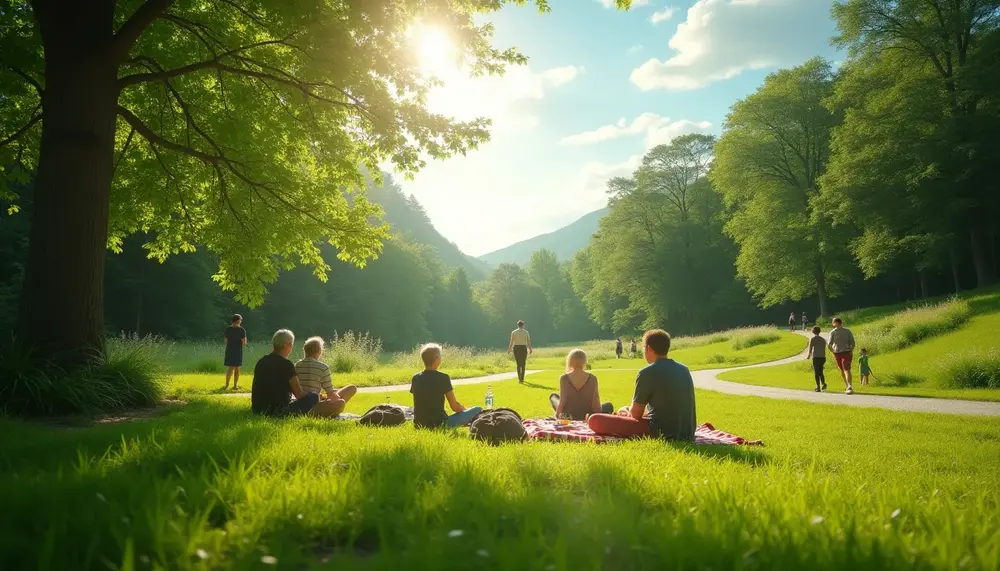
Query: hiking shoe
<point>817,390</point>
<point>850,390</point>
<point>824,386</point>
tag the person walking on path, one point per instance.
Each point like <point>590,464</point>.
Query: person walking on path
<point>618,348</point>
<point>805,321</point>
<point>817,352</point>
<point>842,346</point>
<point>236,339</point>
<point>520,344</point>
<point>633,348</point>
<point>791,321</point>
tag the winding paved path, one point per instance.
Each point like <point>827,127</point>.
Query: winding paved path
<point>708,379</point>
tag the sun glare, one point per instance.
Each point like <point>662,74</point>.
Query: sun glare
<point>435,51</point>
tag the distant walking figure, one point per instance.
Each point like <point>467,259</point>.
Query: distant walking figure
<point>618,347</point>
<point>791,321</point>
<point>632,348</point>
<point>236,339</point>
<point>520,344</point>
<point>842,347</point>
<point>805,321</point>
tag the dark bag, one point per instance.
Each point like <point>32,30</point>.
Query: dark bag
<point>497,425</point>
<point>383,415</point>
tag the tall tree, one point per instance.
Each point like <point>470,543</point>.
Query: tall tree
<point>946,38</point>
<point>232,124</point>
<point>767,166</point>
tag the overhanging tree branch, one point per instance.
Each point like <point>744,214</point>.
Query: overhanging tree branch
<point>24,75</point>
<point>24,129</point>
<point>129,32</point>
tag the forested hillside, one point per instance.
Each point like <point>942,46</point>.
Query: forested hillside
<point>564,242</point>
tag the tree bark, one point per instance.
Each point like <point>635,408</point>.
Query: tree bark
<point>980,257</point>
<point>924,288</point>
<point>821,295</point>
<point>62,299</point>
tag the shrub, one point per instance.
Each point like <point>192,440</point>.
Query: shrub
<point>977,369</point>
<point>352,352</point>
<point>913,325</point>
<point>897,380</point>
<point>753,336</point>
<point>457,357</point>
<point>128,375</point>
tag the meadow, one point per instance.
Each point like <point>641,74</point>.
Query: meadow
<point>945,349</point>
<point>206,485</point>
<point>728,348</point>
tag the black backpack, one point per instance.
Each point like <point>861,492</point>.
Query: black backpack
<point>497,425</point>
<point>383,415</point>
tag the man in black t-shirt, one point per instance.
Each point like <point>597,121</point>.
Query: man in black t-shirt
<point>663,404</point>
<point>430,388</point>
<point>275,384</point>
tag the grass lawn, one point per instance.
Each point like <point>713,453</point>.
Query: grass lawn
<point>919,370</point>
<point>714,355</point>
<point>208,486</point>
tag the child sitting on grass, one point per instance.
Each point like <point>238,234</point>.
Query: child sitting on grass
<point>430,388</point>
<point>865,370</point>
<point>314,375</point>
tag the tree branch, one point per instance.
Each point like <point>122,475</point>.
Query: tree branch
<point>214,63</point>
<point>24,75</point>
<point>129,32</point>
<point>156,139</point>
<point>24,129</point>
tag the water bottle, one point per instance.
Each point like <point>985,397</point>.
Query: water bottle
<point>387,398</point>
<point>489,397</point>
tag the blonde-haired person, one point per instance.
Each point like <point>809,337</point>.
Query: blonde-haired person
<point>578,395</point>
<point>314,375</point>
<point>430,388</point>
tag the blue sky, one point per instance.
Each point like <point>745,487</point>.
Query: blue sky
<point>600,88</point>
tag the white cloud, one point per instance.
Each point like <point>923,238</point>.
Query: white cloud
<point>635,49</point>
<point>506,99</point>
<point>594,177</point>
<point>720,39</point>
<point>662,15</point>
<point>656,130</point>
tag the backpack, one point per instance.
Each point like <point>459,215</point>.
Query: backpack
<point>497,425</point>
<point>383,415</point>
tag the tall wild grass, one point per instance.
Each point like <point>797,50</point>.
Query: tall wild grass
<point>913,325</point>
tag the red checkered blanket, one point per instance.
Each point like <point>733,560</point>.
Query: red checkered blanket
<point>577,431</point>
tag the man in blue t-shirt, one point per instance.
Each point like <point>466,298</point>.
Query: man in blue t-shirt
<point>663,404</point>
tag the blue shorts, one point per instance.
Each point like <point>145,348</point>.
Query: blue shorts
<point>303,405</point>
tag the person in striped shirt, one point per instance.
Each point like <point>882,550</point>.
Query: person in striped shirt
<point>314,375</point>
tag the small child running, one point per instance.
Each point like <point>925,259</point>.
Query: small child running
<point>817,352</point>
<point>865,369</point>
<point>430,388</point>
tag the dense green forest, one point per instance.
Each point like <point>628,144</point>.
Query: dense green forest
<point>830,187</point>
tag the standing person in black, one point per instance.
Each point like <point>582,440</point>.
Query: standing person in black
<point>817,352</point>
<point>236,339</point>
<point>618,347</point>
<point>520,344</point>
<point>275,383</point>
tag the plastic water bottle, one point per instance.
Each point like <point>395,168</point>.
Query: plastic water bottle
<point>387,398</point>
<point>489,397</point>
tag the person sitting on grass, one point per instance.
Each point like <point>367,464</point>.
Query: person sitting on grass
<point>430,388</point>
<point>663,405</point>
<point>314,375</point>
<point>236,340</point>
<point>817,352</point>
<point>578,395</point>
<point>865,369</point>
<point>275,384</point>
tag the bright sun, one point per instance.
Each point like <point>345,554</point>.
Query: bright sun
<point>435,50</point>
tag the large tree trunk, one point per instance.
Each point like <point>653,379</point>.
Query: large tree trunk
<point>62,299</point>
<point>981,257</point>
<point>821,294</point>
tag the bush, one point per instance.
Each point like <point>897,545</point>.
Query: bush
<point>456,357</point>
<point>913,325</point>
<point>741,338</point>
<point>352,352</point>
<point>977,369</point>
<point>896,380</point>
<point>128,375</point>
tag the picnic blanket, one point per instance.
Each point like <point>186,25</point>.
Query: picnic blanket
<point>578,431</point>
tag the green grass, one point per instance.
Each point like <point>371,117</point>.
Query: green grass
<point>926,369</point>
<point>913,325</point>
<point>208,486</point>
<point>464,363</point>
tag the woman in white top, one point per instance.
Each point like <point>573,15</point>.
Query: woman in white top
<point>520,344</point>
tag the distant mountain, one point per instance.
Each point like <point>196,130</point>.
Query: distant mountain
<point>565,242</point>
<point>407,218</point>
